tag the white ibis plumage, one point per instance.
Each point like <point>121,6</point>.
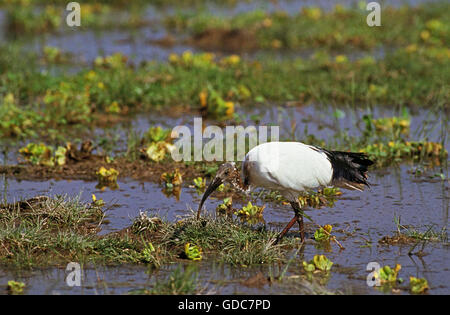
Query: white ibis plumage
<point>291,168</point>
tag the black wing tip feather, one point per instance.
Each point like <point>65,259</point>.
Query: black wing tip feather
<point>349,167</point>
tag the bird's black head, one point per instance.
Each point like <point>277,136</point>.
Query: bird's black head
<point>227,172</point>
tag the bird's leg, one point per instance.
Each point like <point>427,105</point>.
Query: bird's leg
<point>286,229</point>
<point>297,218</point>
<point>299,215</point>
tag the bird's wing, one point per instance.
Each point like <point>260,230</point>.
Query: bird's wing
<point>289,166</point>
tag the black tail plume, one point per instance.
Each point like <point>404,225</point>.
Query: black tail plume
<point>349,169</point>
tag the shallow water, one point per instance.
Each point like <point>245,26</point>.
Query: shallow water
<point>295,122</point>
<point>368,216</point>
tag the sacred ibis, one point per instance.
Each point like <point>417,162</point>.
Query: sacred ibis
<point>291,168</point>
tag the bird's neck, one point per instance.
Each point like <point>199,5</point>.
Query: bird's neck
<point>241,185</point>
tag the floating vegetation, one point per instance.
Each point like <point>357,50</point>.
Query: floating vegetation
<point>199,183</point>
<point>388,275</point>
<point>40,154</point>
<point>387,278</point>
<point>187,59</point>
<point>396,151</point>
<point>250,211</point>
<point>323,234</point>
<point>418,285</point>
<point>114,61</point>
<point>192,252</point>
<point>97,202</point>
<point>16,122</point>
<point>396,125</point>
<point>320,263</point>
<point>158,151</point>
<point>107,178</point>
<point>111,87</point>
<point>54,55</point>
<point>15,287</point>
<point>171,182</point>
<point>157,134</point>
<point>24,19</point>
<point>386,141</point>
<point>214,105</point>
<point>226,207</point>
<point>158,143</point>
<point>172,179</point>
<point>325,197</point>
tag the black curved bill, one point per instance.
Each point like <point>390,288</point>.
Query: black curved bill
<point>211,188</point>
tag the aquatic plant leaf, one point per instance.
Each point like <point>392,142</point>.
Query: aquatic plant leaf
<point>15,287</point>
<point>226,205</point>
<point>322,262</point>
<point>319,263</point>
<point>418,285</point>
<point>387,274</point>
<point>157,134</point>
<point>38,154</point>
<point>192,252</point>
<point>156,151</point>
<point>107,175</point>
<point>172,179</point>
<point>323,233</point>
<point>200,183</point>
<point>60,155</point>
<point>309,267</point>
<point>97,202</point>
<point>250,210</point>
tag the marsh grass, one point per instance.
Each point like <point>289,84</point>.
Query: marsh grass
<point>52,231</point>
<point>430,233</point>
<point>228,241</point>
<point>402,77</point>
<point>45,231</point>
<point>406,234</point>
<point>338,28</point>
